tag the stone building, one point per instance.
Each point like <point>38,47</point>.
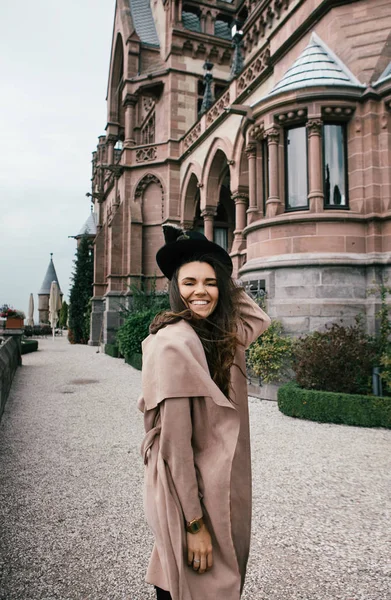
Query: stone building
<point>44,292</point>
<point>266,124</point>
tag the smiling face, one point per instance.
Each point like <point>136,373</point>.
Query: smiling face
<point>197,285</point>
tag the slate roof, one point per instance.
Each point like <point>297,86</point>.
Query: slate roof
<point>50,276</point>
<point>317,65</point>
<point>191,21</point>
<point>89,226</point>
<point>385,75</point>
<point>143,22</point>
<point>222,30</point>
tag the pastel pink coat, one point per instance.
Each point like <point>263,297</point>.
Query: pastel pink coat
<point>175,366</point>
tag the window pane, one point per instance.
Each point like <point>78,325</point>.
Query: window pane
<point>334,166</point>
<point>220,237</point>
<point>296,167</point>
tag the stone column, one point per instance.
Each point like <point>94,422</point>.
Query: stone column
<point>208,214</point>
<point>110,141</point>
<point>251,153</point>
<point>130,104</point>
<point>241,202</point>
<point>273,203</point>
<point>315,194</point>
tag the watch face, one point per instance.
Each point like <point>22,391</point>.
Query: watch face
<point>195,527</point>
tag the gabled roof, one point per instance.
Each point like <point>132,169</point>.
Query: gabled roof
<point>385,75</point>
<point>317,65</point>
<point>89,227</point>
<point>143,22</point>
<point>50,276</point>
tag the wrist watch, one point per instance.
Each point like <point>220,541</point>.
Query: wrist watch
<point>195,525</point>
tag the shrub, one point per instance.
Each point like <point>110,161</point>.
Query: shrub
<point>270,355</point>
<point>330,407</point>
<point>339,359</point>
<point>135,361</point>
<point>134,331</point>
<point>63,314</point>
<point>385,362</point>
<point>29,346</point>
<point>37,330</point>
<point>112,350</point>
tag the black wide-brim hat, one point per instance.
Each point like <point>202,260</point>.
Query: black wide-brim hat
<point>184,246</point>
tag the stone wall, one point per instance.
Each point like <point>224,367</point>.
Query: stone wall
<point>308,298</point>
<point>9,360</point>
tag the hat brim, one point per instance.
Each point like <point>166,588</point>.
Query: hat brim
<point>171,256</point>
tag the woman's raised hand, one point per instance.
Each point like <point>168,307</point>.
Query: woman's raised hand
<point>199,550</point>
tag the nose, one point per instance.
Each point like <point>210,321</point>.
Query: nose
<point>200,289</point>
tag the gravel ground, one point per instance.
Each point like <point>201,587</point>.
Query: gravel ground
<point>72,524</point>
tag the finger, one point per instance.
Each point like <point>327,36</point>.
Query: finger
<point>190,556</point>
<point>202,568</point>
<point>209,560</point>
<point>196,562</point>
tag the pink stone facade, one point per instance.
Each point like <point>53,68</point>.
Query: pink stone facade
<point>296,184</point>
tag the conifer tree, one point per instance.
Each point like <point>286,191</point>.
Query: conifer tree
<point>81,292</point>
<point>64,314</point>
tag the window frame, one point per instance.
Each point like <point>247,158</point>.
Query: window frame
<point>343,125</point>
<point>286,186</point>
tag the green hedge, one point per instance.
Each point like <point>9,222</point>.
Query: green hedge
<point>332,407</point>
<point>135,360</point>
<point>29,346</point>
<point>112,350</point>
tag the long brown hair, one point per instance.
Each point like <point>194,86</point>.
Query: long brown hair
<point>217,332</point>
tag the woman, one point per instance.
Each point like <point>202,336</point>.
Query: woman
<point>197,493</point>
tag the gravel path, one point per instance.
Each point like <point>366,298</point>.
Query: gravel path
<point>71,519</point>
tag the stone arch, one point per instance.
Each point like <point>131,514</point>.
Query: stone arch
<point>149,195</point>
<point>144,182</point>
<point>116,111</point>
<point>219,155</point>
<point>190,194</point>
<point>240,172</point>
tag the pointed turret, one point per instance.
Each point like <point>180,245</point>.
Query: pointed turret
<point>44,292</point>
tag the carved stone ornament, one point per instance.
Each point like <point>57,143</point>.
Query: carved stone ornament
<point>217,109</point>
<point>145,182</point>
<point>291,115</point>
<point>314,126</point>
<point>240,198</point>
<point>146,154</point>
<point>257,131</point>
<point>273,135</point>
<point>192,136</point>
<point>254,69</point>
<point>209,212</point>
<point>251,151</point>
<point>338,112</point>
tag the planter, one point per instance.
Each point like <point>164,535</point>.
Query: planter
<point>14,323</point>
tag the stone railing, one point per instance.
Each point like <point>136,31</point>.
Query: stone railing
<point>9,361</point>
<point>263,16</point>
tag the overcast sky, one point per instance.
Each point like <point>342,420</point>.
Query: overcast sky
<point>54,61</point>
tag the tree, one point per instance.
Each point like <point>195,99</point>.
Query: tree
<point>81,292</point>
<point>63,314</point>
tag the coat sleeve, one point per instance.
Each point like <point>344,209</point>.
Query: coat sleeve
<point>253,320</point>
<point>176,449</point>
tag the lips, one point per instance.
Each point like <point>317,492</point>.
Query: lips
<point>199,302</point>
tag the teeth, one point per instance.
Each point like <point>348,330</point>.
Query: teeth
<point>199,302</point>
